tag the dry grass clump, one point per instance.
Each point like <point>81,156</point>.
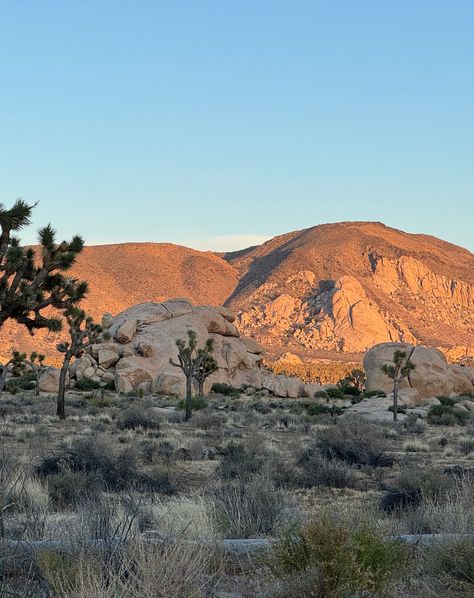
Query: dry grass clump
<point>248,509</point>
<point>135,417</point>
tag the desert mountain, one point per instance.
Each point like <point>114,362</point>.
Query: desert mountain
<point>333,288</point>
<point>347,286</point>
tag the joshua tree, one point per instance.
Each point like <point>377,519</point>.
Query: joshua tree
<point>355,378</point>
<point>83,333</point>
<point>37,365</point>
<point>15,364</point>
<point>190,361</point>
<point>207,367</point>
<point>398,371</point>
<point>31,282</point>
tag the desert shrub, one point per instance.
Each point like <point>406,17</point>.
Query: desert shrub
<point>348,561</point>
<point>225,389</point>
<point>321,394</point>
<point>68,488</point>
<point>207,420</point>
<point>356,442</point>
<point>151,451</point>
<point>368,394</point>
<point>106,467</point>
<point>348,390</point>
<point>335,393</point>
<point>174,568</point>
<point>135,417</point>
<point>320,471</point>
<point>196,402</point>
<point>261,407</point>
<point>86,385</point>
<point>412,487</point>
<point>249,509</point>
<point>313,409</point>
<point>240,461</point>
<point>445,415</point>
<point>453,564</point>
<point>466,447</point>
<point>414,424</point>
<point>447,401</point>
<point>162,480</point>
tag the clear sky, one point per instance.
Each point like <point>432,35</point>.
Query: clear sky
<point>217,123</point>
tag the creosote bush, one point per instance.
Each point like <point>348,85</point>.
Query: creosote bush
<point>321,471</point>
<point>446,415</point>
<point>349,560</point>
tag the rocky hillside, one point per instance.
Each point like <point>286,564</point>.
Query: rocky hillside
<point>347,286</point>
<point>331,288</point>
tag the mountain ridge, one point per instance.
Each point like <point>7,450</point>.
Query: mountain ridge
<point>336,288</point>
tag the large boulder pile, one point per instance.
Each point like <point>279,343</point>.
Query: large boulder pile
<point>143,339</point>
<point>432,376</point>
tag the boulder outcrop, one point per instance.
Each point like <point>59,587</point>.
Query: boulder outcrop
<point>143,339</point>
<point>432,376</point>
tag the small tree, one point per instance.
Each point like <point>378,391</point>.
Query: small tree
<point>38,366</point>
<point>15,364</point>
<point>190,361</point>
<point>207,367</point>
<point>31,282</point>
<point>83,333</point>
<point>398,371</point>
<point>355,378</point>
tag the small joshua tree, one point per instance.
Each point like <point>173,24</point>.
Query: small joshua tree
<point>83,333</point>
<point>15,364</point>
<point>37,365</point>
<point>207,367</point>
<point>398,371</point>
<point>30,282</point>
<point>190,361</point>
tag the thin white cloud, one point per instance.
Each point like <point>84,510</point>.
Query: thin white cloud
<point>227,242</point>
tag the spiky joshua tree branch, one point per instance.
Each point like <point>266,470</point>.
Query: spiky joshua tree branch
<point>398,371</point>
<point>32,281</point>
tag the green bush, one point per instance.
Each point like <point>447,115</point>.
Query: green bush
<point>335,393</point>
<point>348,390</point>
<point>321,409</point>
<point>445,415</point>
<point>225,389</point>
<point>197,403</point>
<point>368,394</point>
<point>321,394</point>
<point>86,385</point>
<point>349,561</point>
<point>448,401</point>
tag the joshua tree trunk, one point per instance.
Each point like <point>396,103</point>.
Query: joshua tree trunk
<point>189,397</point>
<point>3,379</point>
<point>61,411</point>
<point>395,400</point>
<point>201,388</point>
<point>37,381</point>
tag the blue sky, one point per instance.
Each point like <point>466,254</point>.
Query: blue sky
<point>218,124</point>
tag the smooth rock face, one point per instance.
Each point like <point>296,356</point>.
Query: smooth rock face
<point>432,376</point>
<point>145,339</point>
<point>49,381</point>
